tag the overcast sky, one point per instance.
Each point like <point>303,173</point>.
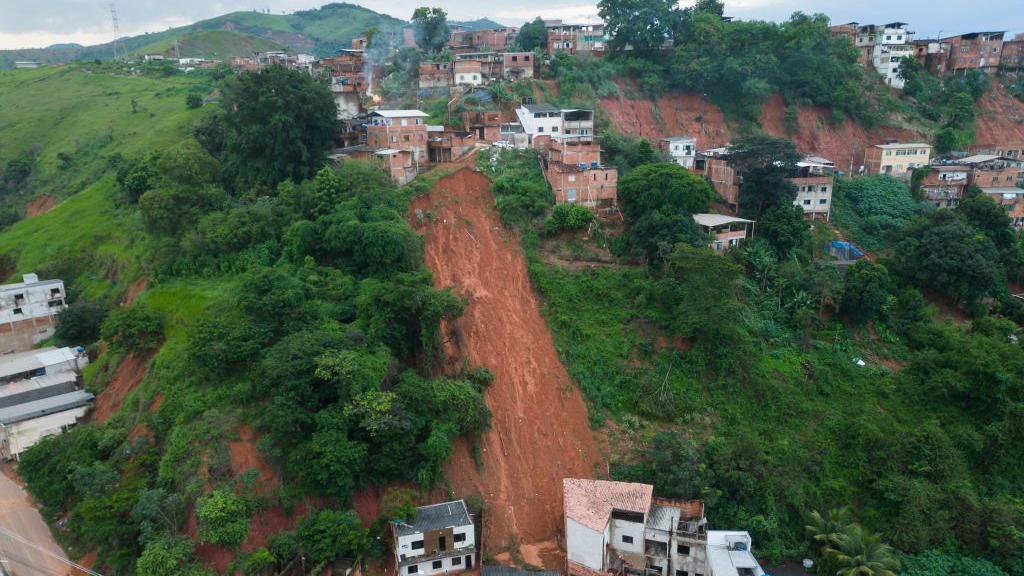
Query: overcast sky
<point>38,23</point>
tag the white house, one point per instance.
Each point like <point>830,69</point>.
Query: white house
<point>620,526</point>
<point>682,150</point>
<point>28,311</point>
<point>547,120</point>
<point>33,363</point>
<point>814,181</point>
<point>729,554</point>
<point>440,540</point>
<point>885,45</point>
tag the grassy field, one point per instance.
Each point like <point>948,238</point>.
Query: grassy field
<point>213,44</point>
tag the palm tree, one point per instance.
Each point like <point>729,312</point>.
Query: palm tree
<point>824,530</point>
<point>862,553</point>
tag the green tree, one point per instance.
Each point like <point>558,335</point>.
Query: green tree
<point>641,24</point>
<point>273,125</point>
<point>193,101</point>
<point>826,530</point>
<point>132,329</point>
<point>785,228</point>
<point>430,28</point>
<point>165,557</point>
<point>866,291</point>
<point>329,534</point>
<point>766,163</point>
<point>222,518</point>
<point>79,323</point>
<point>862,553</point>
<point>533,35</point>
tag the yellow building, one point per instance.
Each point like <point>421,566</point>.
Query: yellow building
<point>896,159</point>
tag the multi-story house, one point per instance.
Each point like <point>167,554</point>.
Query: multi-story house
<point>517,65</point>
<point>28,312</point>
<point>485,125</point>
<point>588,39</point>
<point>436,74</point>
<point>814,180</point>
<point>1012,57</point>
<point>931,55</point>
<point>468,73</point>
<point>974,51</point>
<point>349,83</point>
<point>573,168</point>
<point>1010,149</point>
<point>681,149</point>
<point>944,185</point>
<point>716,165</point>
<point>401,130</point>
<point>895,158</point>
<point>871,40</point>
<point>441,539</point>
<point>991,171</point>
<point>725,231</point>
<point>1011,199</point>
<point>617,528</point>
<point>494,40</point>
<point>541,121</point>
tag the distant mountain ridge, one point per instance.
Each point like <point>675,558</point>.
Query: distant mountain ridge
<point>320,32</point>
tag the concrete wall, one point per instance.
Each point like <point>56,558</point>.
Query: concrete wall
<point>26,334</point>
<point>583,545</point>
<point>33,301</point>
<point>634,530</point>
<point>454,564</point>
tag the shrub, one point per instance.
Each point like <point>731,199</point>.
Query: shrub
<point>222,518</point>
<point>132,329</point>
<point>568,217</point>
<point>330,534</point>
<point>193,101</point>
<point>80,323</point>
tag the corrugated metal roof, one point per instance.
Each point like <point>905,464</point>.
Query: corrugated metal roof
<point>437,516</point>
<point>37,408</point>
<point>663,518</point>
<point>36,388</point>
<point>716,219</point>
<point>12,364</point>
<point>400,113</point>
<point>590,502</point>
<point>545,107</point>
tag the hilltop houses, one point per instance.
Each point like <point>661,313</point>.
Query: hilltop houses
<point>681,149</point>
<point>616,528</point>
<point>896,158</point>
<point>814,181</point>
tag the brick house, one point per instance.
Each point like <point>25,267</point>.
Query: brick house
<point>715,165</point>
<point>931,55</point>
<point>399,129</point>
<point>725,231</point>
<point>944,185</point>
<point>468,73</point>
<point>490,63</point>
<point>446,145</point>
<point>495,39</point>
<point>1009,149</point>
<point>1011,199</point>
<point>577,38</point>
<point>974,51</point>
<point>517,65</point>
<point>1012,57</point>
<point>991,171</point>
<point>573,168</point>
<point>485,125</point>
<point>436,74</point>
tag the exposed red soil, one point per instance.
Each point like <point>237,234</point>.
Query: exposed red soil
<point>88,561</point>
<point>1000,118</point>
<point>246,456</point>
<point>157,402</point>
<point>129,373</point>
<point>540,433</point>
<point>40,205</point>
<point>133,291</point>
<point>692,115</point>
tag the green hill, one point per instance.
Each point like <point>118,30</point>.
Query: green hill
<point>71,123</point>
<point>320,31</point>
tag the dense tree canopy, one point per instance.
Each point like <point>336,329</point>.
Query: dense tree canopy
<point>430,28</point>
<point>533,35</point>
<point>642,25</point>
<point>273,125</point>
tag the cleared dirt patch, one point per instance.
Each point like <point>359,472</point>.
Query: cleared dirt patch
<point>246,456</point>
<point>40,205</point>
<point>133,291</point>
<point>540,432</point>
<point>129,373</point>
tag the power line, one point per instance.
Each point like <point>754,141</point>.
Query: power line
<point>39,548</point>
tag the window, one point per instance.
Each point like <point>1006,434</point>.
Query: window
<point>19,297</point>
<point>572,177</point>
<point>417,545</point>
<point>823,201</point>
<point>515,58</point>
<point>405,122</point>
<point>682,549</point>
<point>682,573</point>
<point>571,197</point>
<point>525,58</point>
<point>461,537</point>
<point>554,128</point>
<point>413,569</point>
<point>17,311</point>
<point>807,202</point>
<point>540,129</point>
<point>824,188</point>
<point>405,138</point>
<point>436,565</point>
<point>457,561</point>
<point>627,539</point>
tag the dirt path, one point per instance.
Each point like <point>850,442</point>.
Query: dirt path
<point>19,515</point>
<point>540,432</point>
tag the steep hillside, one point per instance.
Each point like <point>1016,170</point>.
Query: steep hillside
<point>73,123</point>
<point>320,31</point>
<point>1000,117</point>
<point>690,114</point>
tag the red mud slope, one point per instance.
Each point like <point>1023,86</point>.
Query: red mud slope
<point>540,433</point>
<point>691,115</point>
<point>1000,118</point>
<point>129,373</point>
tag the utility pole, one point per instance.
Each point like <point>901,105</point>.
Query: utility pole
<point>117,28</point>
